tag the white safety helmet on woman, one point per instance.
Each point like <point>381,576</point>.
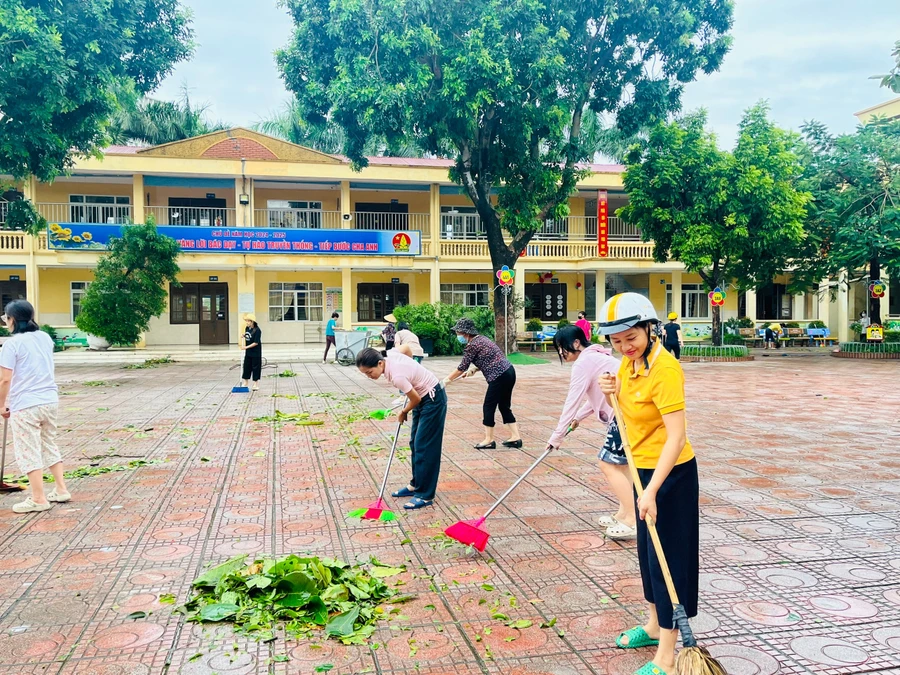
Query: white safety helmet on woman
<point>624,311</point>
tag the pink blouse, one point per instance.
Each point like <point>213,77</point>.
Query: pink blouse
<point>586,371</point>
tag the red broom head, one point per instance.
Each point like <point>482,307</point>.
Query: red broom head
<point>469,534</point>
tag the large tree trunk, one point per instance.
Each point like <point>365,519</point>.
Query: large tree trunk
<point>717,326</point>
<point>505,319</point>
<point>874,303</point>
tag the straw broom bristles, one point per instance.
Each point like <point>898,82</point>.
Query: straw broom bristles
<point>697,661</point>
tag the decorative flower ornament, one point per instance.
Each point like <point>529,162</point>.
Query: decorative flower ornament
<point>717,297</point>
<point>506,275</point>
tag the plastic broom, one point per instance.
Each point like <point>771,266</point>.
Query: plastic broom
<point>377,510</point>
<point>692,660</point>
<point>469,532</point>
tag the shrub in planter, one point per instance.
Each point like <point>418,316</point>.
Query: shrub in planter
<point>892,336</point>
<point>792,324</point>
<point>730,339</point>
<point>563,322</point>
<point>130,285</point>
<point>816,324</point>
<point>534,325</point>
<point>49,330</point>
<point>4,332</point>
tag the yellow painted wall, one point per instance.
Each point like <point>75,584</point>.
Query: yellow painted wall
<point>55,293</point>
<point>329,198</point>
<point>58,193</point>
<point>291,332</point>
<point>161,332</point>
<point>419,202</point>
<point>159,196</point>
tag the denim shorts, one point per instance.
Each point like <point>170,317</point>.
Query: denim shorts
<point>612,451</point>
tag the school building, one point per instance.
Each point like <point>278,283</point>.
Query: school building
<point>292,234</point>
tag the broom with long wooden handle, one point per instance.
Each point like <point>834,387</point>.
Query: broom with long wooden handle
<point>693,659</point>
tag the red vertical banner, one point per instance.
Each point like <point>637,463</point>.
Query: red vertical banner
<point>602,224</point>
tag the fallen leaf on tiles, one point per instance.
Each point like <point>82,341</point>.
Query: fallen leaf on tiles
<point>134,616</point>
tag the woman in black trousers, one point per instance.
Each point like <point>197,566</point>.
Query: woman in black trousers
<point>482,354</point>
<point>426,400</point>
<point>252,352</point>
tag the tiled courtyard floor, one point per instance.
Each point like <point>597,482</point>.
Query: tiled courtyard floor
<point>799,461</point>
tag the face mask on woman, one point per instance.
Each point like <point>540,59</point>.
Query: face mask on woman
<point>462,339</point>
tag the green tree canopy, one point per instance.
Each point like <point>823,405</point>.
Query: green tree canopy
<point>503,83</point>
<point>892,79</point>
<point>63,63</point>
<point>854,223</point>
<point>155,122</point>
<point>727,216</point>
<point>130,284</point>
<point>324,135</point>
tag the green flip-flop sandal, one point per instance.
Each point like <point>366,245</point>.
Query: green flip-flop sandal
<point>637,638</point>
<point>650,669</point>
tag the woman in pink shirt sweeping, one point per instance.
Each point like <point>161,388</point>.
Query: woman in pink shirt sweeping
<point>427,401</point>
<point>589,362</point>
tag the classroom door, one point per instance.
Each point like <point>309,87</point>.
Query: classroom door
<point>213,314</point>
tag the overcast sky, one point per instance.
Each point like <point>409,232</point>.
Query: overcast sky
<point>809,58</point>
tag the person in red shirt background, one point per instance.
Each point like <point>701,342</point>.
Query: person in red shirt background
<point>585,325</point>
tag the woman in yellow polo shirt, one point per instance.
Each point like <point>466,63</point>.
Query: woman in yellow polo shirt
<point>650,389</point>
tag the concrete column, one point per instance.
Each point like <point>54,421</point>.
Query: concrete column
<point>347,296</point>
<point>824,303</point>
<point>238,209</point>
<point>750,301</point>
<point>519,287</point>
<point>246,288</point>
<point>29,188</point>
<point>346,205</point>
<point>676,292</point>
<point>435,217</point>
<point>137,198</point>
<point>843,308</point>
<point>600,294</point>
<point>32,281</point>
<point>435,287</point>
<point>798,307</point>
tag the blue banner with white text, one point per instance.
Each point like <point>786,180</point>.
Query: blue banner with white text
<point>80,236</point>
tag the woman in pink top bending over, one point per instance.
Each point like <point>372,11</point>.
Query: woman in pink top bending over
<point>427,401</point>
<point>589,362</point>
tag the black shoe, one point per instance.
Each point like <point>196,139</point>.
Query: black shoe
<point>512,444</point>
<point>490,446</point>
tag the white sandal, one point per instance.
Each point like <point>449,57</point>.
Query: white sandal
<point>621,531</point>
<point>608,521</point>
<point>29,506</point>
<point>55,496</point>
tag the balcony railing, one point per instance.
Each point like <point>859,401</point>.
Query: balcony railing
<point>95,214</point>
<point>364,220</point>
<point>573,228</point>
<point>297,219</point>
<point>191,216</point>
<point>20,241</point>
<point>4,209</point>
<point>550,250</point>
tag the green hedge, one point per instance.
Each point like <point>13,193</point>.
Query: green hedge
<point>871,347</point>
<point>708,351</point>
<point>435,322</point>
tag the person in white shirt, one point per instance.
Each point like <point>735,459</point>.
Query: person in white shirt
<point>29,398</point>
<point>405,336</point>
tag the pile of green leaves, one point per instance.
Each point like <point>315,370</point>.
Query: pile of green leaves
<point>302,595</point>
<point>279,418</point>
<point>150,363</point>
<point>86,471</point>
<point>287,373</point>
